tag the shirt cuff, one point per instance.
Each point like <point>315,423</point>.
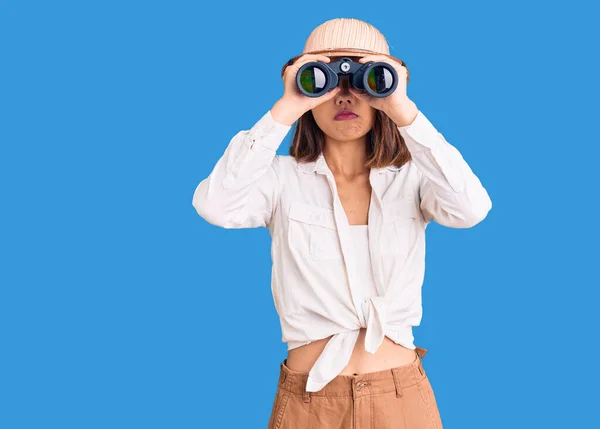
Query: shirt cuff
<point>267,132</point>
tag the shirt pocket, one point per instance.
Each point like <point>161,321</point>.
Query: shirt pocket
<point>400,225</point>
<point>312,231</point>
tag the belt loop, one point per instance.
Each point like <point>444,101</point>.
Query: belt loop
<point>397,383</point>
<point>306,393</point>
<point>282,375</point>
<point>420,354</point>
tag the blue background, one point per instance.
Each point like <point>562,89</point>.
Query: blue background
<point>112,287</point>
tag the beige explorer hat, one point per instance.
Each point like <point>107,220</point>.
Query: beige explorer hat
<point>345,36</point>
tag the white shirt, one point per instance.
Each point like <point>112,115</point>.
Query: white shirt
<point>316,275</point>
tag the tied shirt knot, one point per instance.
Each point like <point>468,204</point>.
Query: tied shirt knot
<point>338,350</point>
<point>375,318</point>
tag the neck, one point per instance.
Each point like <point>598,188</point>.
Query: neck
<point>346,158</point>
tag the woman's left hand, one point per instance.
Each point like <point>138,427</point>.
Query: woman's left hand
<point>393,102</point>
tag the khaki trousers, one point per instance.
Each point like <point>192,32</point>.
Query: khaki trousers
<point>396,398</point>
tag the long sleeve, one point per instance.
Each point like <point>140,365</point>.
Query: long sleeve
<point>244,185</point>
<point>451,194</point>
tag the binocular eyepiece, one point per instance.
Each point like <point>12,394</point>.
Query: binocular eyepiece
<point>316,78</point>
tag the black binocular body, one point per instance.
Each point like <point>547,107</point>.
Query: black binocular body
<point>316,78</point>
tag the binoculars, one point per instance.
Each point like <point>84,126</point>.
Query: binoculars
<point>316,78</point>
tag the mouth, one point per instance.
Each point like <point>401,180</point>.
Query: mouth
<point>345,115</point>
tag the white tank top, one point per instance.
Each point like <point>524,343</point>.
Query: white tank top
<point>364,270</point>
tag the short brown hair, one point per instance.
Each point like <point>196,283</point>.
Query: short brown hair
<point>385,145</point>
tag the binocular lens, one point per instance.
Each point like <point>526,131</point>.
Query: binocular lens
<point>380,80</point>
<point>316,78</point>
<point>313,80</point>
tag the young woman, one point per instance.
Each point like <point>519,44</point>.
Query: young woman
<point>347,212</point>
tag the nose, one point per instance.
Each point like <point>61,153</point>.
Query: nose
<point>344,95</point>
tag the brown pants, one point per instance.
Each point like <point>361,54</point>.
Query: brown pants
<point>396,398</point>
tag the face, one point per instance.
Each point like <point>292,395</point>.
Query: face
<point>348,129</point>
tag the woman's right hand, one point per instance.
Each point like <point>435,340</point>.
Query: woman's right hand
<point>293,104</point>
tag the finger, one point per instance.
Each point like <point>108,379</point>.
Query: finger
<point>328,95</point>
<point>332,93</point>
<point>358,94</point>
<point>308,59</point>
<point>382,58</point>
<point>313,57</point>
<point>372,58</point>
<point>363,96</point>
<point>296,66</point>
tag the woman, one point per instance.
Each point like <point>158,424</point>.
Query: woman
<point>347,212</point>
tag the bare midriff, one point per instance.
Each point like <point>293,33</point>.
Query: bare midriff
<point>388,355</point>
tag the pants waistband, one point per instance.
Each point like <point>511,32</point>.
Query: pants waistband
<point>388,380</point>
